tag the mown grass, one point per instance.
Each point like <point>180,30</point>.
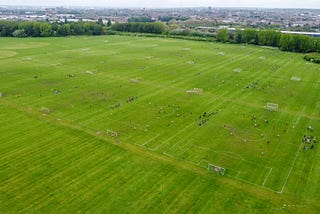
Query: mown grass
<point>64,161</point>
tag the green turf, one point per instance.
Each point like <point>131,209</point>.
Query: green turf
<point>64,161</point>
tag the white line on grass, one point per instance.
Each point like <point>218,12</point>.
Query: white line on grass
<point>151,139</point>
<point>299,117</point>
<point>172,136</point>
<point>291,168</point>
<point>266,178</point>
<point>191,162</point>
<point>187,149</point>
<point>213,101</point>
<point>165,153</point>
<point>243,180</point>
<point>226,153</point>
<point>190,133</point>
<point>295,158</point>
<point>202,160</point>
<point>240,179</point>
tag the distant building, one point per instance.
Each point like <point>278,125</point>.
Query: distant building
<point>312,34</point>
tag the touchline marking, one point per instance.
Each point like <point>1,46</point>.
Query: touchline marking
<point>291,168</point>
<point>299,117</point>
<point>295,159</point>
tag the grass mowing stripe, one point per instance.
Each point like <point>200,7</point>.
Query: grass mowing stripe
<point>83,109</point>
<point>144,153</point>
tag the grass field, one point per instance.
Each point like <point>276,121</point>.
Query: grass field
<point>176,106</point>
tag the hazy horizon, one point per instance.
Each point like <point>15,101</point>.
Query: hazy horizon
<point>308,4</point>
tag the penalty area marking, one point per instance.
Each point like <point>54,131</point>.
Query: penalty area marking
<point>172,136</point>
<point>150,140</point>
<point>248,182</point>
<point>241,179</point>
<point>167,150</point>
<point>266,178</point>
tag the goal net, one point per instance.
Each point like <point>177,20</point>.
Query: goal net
<point>217,169</point>
<point>271,106</point>
<point>112,133</point>
<point>195,91</point>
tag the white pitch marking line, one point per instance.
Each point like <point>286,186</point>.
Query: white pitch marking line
<point>299,117</point>
<point>151,139</point>
<point>169,155</point>
<point>291,168</point>
<point>172,136</point>
<point>190,133</point>
<point>266,178</point>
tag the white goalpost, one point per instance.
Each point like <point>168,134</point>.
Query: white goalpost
<point>218,169</point>
<point>112,133</point>
<point>271,106</point>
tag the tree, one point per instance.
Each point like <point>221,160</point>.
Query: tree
<point>287,42</point>
<point>64,30</point>
<point>109,23</point>
<point>250,36</point>
<point>297,43</point>
<point>8,27</point>
<point>140,27</point>
<point>305,44</point>
<point>36,29</point>
<point>88,28</point>
<point>27,27</point>
<point>238,38</point>
<point>223,35</point>
<point>77,28</point>
<point>97,29</point>
<point>140,19</point>
<point>100,22</point>
<point>19,33</point>
<point>165,18</point>
<point>45,29</point>
<point>269,38</point>
<point>317,44</point>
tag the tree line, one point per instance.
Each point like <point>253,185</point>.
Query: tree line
<point>314,57</point>
<point>286,42</point>
<point>46,29</point>
<point>140,19</point>
<point>140,27</point>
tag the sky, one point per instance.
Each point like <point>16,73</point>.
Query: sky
<point>169,3</point>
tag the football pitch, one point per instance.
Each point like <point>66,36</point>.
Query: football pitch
<point>132,124</point>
